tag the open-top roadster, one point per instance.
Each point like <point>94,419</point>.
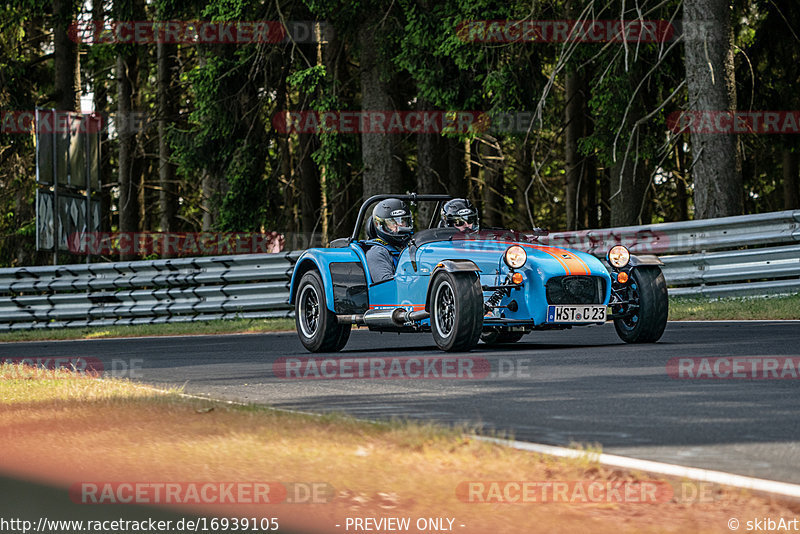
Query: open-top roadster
<point>495,285</point>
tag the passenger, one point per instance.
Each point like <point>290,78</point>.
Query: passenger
<point>460,213</point>
<point>394,226</point>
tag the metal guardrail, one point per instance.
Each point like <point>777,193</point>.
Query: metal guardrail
<point>773,228</point>
<point>760,271</point>
<point>146,292</point>
<point>256,285</point>
<point>766,270</point>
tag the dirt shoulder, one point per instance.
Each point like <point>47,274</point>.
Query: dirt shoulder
<point>69,432</point>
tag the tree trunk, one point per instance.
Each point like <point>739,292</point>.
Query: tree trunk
<point>127,78</point>
<point>140,168</point>
<point>211,178</point>
<point>128,208</point>
<point>311,193</point>
<point>716,170</point>
<point>605,199</point>
<point>432,169</point>
<point>342,195</point>
<point>458,176</point>
<point>628,187</point>
<point>573,130</point>
<point>680,183</point>
<point>491,158</point>
<point>791,192</point>
<point>381,167</point>
<point>65,54</point>
<point>590,218</point>
<point>167,112</point>
<point>522,179</point>
<point>210,184</point>
<point>590,203</point>
<point>100,98</point>
<point>287,182</point>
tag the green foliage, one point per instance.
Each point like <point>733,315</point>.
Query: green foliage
<point>226,133</point>
<point>336,151</point>
<point>227,93</point>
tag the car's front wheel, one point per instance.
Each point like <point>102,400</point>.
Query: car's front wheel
<point>456,307</point>
<point>647,291</point>
<point>316,324</point>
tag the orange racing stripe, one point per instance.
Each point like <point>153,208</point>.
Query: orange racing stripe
<point>571,263</point>
<point>552,252</point>
<point>546,250</point>
<point>576,260</point>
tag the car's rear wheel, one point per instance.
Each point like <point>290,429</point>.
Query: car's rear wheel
<point>456,308</point>
<point>645,324</point>
<point>316,324</point>
<point>497,337</point>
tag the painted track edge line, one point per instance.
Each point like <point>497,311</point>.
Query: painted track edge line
<point>695,473</point>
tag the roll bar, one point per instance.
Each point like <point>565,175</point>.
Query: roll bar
<point>410,197</point>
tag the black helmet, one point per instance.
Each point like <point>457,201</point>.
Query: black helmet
<point>460,213</point>
<point>393,221</point>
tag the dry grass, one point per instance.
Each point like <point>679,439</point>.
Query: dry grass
<point>742,308</point>
<point>228,326</point>
<point>70,430</point>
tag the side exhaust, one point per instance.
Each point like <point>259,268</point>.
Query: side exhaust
<point>384,318</point>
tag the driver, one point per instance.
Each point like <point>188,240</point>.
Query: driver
<point>393,225</point>
<point>460,213</point>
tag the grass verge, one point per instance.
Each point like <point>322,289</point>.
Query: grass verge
<point>72,430</point>
<point>740,308</point>
<point>229,326</point>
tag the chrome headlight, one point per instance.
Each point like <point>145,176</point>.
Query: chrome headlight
<point>618,256</point>
<point>515,256</point>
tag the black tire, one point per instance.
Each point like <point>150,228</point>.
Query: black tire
<point>316,324</point>
<point>456,307</point>
<point>495,337</point>
<point>649,288</point>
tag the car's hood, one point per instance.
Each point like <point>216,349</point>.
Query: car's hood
<point>488,256</point>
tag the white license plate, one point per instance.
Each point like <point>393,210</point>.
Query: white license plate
<point>576,314</point>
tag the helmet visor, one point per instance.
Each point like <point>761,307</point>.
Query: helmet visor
<point>397,225</point>
<point>468,222</point>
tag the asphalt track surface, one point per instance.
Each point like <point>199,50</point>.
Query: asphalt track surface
<point>579,386</point>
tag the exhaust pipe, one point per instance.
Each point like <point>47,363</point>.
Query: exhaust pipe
<point>384,318</point>
<point>401,316</point>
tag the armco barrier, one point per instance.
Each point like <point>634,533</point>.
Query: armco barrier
<point>710,270</point>
<point>702,258</point>
<point>144,292</point>
<point>689,236</point>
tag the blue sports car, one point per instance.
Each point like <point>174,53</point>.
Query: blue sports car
<point>494,285</point>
